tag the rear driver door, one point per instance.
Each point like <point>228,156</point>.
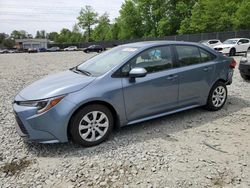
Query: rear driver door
<point>195,74</point>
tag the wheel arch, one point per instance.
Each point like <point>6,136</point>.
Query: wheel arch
<point>104,103</point>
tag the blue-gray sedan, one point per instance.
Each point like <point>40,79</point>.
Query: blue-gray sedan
<point>122,86</point>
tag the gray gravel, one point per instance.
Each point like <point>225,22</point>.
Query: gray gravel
<point>168,152</point>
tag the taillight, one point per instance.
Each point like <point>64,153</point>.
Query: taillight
<point>233,64</point>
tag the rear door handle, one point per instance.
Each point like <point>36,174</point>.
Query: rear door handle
<point>172,77</point>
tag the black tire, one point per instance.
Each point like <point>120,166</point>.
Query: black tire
<point>245,77</point>
<point>232,52</point>
<point>210,105</point>
<point>78,118</point>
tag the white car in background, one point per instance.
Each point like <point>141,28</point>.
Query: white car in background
<point>70,48</point>
<point>233,46</point>
<point>211,43</point>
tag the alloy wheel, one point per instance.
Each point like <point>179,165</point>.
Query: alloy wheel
<point>219,96</point>
<point>93,126</point>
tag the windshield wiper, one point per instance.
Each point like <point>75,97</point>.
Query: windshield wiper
<point>82,71</point>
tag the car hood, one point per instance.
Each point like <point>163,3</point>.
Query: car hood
<point>55,85</point>
<point>224,46</point>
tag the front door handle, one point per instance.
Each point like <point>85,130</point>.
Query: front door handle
<point>206,69</point>
<point>172,77</point>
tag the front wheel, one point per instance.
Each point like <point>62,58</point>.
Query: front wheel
<point>91,125</point>
<point>217,96</point>
<point>232,52</point>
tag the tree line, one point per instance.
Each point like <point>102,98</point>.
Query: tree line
<point>149,18</point>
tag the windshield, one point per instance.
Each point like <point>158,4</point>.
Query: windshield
<point>104,62</point>
<point>230,41</point>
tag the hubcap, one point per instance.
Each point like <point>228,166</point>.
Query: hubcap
<point>93,126</point>
<point>219,96</point>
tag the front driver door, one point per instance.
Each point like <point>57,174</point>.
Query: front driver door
<point>155,93</point>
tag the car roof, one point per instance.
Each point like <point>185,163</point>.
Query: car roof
<point>237,38</point>
<point>146,44</point>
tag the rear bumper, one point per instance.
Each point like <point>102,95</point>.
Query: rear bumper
<point>230,77</point>
<point>244,68</point>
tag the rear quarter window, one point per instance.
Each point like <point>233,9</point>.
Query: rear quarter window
<point>206,56</point>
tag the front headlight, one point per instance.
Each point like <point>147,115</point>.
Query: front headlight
<point>42,105</point>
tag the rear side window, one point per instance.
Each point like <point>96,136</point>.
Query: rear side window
<point>188,55</point>
<point>244,41</point>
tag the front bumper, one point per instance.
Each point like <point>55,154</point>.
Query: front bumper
<point>48,127</point>
<point>245,68</point>
<point>223,50</point>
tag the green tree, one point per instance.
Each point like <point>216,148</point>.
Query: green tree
<point>210,16</point>
<point>52,36</point>
<point>38,35</point>
<point>102,31</point>
<point>86,19</point>
<point>130,21</point>
<point>179,10</point>
<point>18,34</point>
<point>115,30</point>
<point>8,43</point>
<point>242,17</point>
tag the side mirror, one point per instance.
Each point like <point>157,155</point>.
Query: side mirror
<point>137,73</point>
<point>239,43</point>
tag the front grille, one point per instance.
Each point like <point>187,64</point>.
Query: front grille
<point>20,124</point>
<point>218,49</point>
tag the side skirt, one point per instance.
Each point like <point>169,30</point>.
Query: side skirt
<point>162,114</point>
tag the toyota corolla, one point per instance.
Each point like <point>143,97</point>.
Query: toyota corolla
<point>125,85</point>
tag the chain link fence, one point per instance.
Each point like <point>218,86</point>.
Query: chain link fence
<point>189,38</point>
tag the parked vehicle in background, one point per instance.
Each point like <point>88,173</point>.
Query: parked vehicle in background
<point>244,66</point>
<point>3,51</point>
<point>233,46</point>
<point>32,50</point>
<point>53,49</point>
<point>94,48</point>
<point>71,48</point>
<point>125,85</point>
<point>42,50</point>
<point>211,43</point>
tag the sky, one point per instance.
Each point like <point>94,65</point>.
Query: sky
<point>50,15</point>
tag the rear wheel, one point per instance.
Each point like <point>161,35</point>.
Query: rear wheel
<point>232,52</point>
<point>217,96</point>
<point>91,125</point>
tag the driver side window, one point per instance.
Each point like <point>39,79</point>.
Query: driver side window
<point>153,60</point>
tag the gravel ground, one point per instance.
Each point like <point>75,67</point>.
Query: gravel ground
<point>172,151</point>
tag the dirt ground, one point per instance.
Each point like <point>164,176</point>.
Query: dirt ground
<point>195,148</point>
